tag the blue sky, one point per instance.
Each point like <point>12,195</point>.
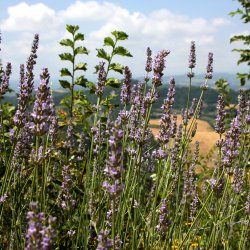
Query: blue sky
<point>159,24</point>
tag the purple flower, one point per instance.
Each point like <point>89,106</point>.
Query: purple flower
<point>149,64</point>
<point>104,242</point>
<point>149,61</point>
<point>231,144</point>
<point>166,129</point>
<point>209,74</point>
<point>42,112</point>
<point>238,180</point>
<point>241,103</point>
<point>101,79</point>
<point>26,85</point>
<point>65,198</point>
<point>70,137</point>
<point>22,148</point>
<point>248,112</point>
<point>220,117</point>
<point>125,90</point>
<point>163,223</point>
<point>114,164</point>
<point>159,65</point>
<point>3,198</point>
<point>4,79</point>
<point>38,235</point>
<point>192,56</point>
<point>193,107</point>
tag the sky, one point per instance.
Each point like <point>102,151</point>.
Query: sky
<point>158,24</point>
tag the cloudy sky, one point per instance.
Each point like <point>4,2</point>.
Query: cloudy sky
<point>159,24</point>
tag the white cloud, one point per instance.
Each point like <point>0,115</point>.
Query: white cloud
<point>90,10</point>
<point>24,17</point>
<point>160,29</point>
<point>220,22</point>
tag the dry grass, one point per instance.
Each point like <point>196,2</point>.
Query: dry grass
<point>205,134</point>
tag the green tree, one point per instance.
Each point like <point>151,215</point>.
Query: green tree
<point>244,12</point>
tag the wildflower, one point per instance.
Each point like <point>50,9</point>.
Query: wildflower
<point>65,198</point>
<point>231,146</point>
<point>149,64</point>
<point>166,129</point>
<point>149,61</point>
<point>192,59</point>
<point>104,242</point>
<point>125,90</point>
<point>163,218</point>
<point>23,148</point>
<point>48,234</point>
<point>101,79</point>
<point>3,198</point>
<point>220,117</point>
<point>248,112</point>
<point>5,78</point>
<point>159,65</point>
<point>194,244</point>
<point>241,103</point>
<point>40,116</point>
<point>192,108</point>
<point>113,167</point>
<point>81,147</point>
<point>69,138</point>
<point>209,74</point>
<point>39,236</point>
<point>238,180</point>
<point>26,85</point>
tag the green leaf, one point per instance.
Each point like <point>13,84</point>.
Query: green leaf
<point>103,54</point>
<point>117,67</point>
<point>121,51</point>
<point>67,42</point>
<point>66,57</point>
<point>91,86</point>
<point>238,11</point>
<point>119,35</point>
<point>65,84</point>
<point>65,72</point>
<point>81,66</point>
<point>113,82</point>
<point>108,41</point>
<point>81,81</point>
<point>72,28</point>
<point>81,50</point>
<point>79,37</point>
<point>96,69</point>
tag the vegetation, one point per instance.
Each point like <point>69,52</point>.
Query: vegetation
<point>84,176</point>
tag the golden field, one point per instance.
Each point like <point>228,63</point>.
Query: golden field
<point>205,134</point>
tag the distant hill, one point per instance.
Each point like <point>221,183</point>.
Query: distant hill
<point>181,80</point>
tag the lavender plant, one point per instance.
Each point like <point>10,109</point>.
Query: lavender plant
<point>113,185</point>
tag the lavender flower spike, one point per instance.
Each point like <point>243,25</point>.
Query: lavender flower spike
<point>126,89</point>
<point>159,65</point>
<point>101,79</point>
<point>26,85</point>
<point>65,199</point>
<point>42,106</point>
<point>220,117</point>
<point>4,79</point>
<point>104,242</point>
<point>192,56</point>
<point>209,74</point>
